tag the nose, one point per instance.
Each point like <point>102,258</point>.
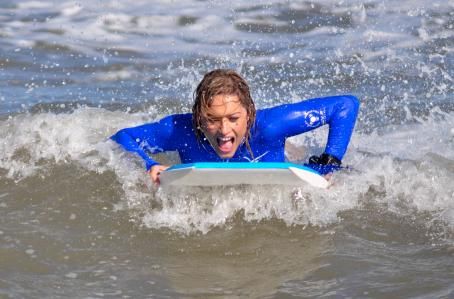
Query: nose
<point>225,126</point>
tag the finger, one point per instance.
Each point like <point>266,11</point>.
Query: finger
<point>153,176</point>
<point>156,175</point>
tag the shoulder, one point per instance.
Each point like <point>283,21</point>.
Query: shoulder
<point>265,115</point>
<point>268,123</point>
<point>176,123</point>
<point>177,120</point>
<point>320,103</point>
<point>183,122</point>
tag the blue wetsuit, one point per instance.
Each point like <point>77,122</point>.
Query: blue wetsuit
<point>268,134</point>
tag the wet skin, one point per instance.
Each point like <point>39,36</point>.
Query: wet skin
<point>224,126</point>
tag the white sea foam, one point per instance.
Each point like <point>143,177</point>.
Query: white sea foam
<point>414,141</point>
<point>34,5</point>
<point>417,177</point>
<point>409,179</point>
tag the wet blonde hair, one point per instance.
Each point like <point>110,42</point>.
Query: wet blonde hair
<point>226,82</point>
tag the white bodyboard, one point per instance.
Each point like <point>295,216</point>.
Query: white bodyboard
<point>238,173</point>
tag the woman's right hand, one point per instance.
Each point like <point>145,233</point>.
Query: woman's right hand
<point>155,171</point>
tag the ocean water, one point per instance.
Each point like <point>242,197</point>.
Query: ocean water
<point>79,217</point>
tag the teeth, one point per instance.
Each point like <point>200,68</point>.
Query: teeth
<point>225,138</point>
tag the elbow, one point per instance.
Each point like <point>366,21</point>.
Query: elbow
<point>117,136</point>
<point>350,104</point>
<point>122,137</point>
<point>351,101</point>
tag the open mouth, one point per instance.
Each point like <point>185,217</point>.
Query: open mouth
<point>225,144</point>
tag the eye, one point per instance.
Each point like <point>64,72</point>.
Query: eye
<point>233,119</point>
<point>212,121</point>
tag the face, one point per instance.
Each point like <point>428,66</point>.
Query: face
<point>225,124</point>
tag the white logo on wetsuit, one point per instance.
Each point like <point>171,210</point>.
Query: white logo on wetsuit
<point>256,159</point>
<point>314,118</point>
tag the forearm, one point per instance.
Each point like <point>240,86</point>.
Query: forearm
<point>130,143</point>
<point>339,112</point>
<point>341,120</point>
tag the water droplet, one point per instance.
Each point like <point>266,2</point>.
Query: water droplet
<point>71,275</point>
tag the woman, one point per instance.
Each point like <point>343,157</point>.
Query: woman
<point>225,126</point>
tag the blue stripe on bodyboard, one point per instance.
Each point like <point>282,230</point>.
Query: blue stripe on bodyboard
<point>242,165</point>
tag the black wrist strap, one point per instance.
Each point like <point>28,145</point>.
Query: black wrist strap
<point>329,160</point>
<point>325,159</point>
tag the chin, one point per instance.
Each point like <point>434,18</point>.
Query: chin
<point>226,156</point>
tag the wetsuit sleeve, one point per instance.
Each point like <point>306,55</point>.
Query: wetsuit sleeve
<point>339,112</point>
<point>148,139</point>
